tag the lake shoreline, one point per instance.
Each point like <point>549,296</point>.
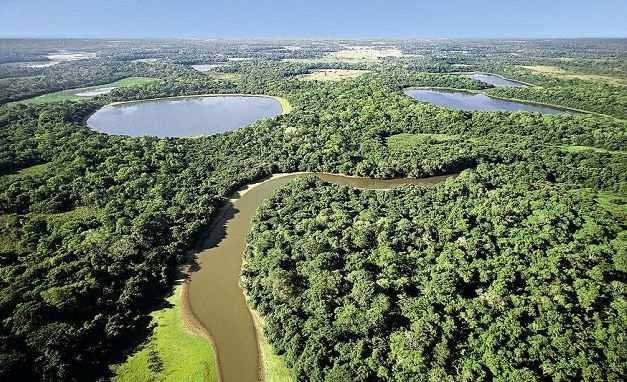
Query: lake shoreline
<point>282,101</point>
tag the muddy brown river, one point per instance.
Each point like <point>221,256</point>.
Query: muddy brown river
<point>215,296</point>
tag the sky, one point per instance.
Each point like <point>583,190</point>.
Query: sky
<point>313,18</point>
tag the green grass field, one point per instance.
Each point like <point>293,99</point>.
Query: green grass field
<point>9,239</point>
<point>234,77</point>
<point>172,353</point>
<point>71,94</point>
<point>365,53</point>
<point>406,141</point>
<point>35,170</point>
<point>353,54</point>
<point>554,71</point>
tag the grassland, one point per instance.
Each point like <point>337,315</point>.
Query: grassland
<point>72,94</point>
<point>406,141</point>
<point>332,74</point>
<point>9,240</point>
<point>35,170</point>
<point>224,76</point>
<point>554,71</point>
<point>173,353</point>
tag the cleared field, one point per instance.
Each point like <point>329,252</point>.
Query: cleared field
<point>224,76</point>
<point>406,141</point>
<point>173,353</point>
<point>240,58</point>
<point>9,238</point>
<point>332,74</point>
<point>73,94</point>
<point>35,170</point>
<point>353,54</point>
<point>365,53</point>
<point>554,71</point>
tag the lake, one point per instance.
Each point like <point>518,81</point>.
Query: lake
<point>477,101</point>
<point>183,117</point>
<point>92,92</point>
<point>495,80</point>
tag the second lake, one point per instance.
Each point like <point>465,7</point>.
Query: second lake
<point>477,102</point>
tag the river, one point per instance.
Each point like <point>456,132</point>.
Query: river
<point>215,297</point>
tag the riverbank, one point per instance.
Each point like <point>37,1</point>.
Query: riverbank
<point>178,350</point>
<point>273,367</point>
<point>177,326</point>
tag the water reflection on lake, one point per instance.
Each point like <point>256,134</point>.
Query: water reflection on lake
<point>476,102</point>
<point>495,80</point>
<point>183,117</point>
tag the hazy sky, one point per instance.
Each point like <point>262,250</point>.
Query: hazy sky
<point>313,18</point>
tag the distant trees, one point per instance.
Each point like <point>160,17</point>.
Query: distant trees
<point>600,98</point>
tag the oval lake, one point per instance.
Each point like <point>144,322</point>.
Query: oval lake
<point>183,117</point>
<point>477,102</point>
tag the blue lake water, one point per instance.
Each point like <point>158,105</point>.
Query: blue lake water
<point>495,80</point>
<point>476,102</point>
<point>183,117</point>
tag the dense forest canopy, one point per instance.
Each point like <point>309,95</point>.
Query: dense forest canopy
<point>514,271</point>
<point>498,274</point>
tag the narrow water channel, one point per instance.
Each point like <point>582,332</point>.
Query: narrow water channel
<point>215,296</point>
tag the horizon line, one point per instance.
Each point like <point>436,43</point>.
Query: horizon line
<point>309,38</point>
